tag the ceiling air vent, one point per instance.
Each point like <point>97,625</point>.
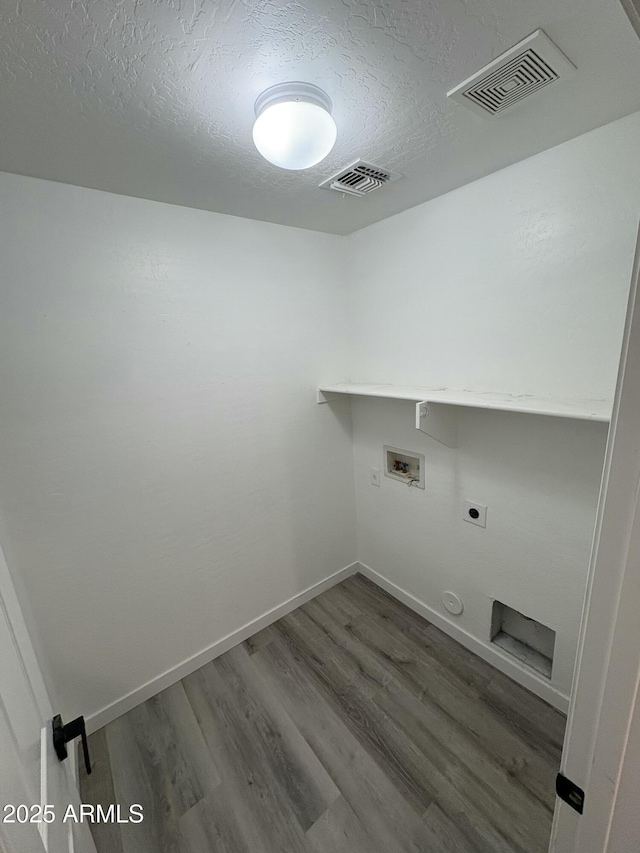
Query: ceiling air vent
<point>529,66</point>
<point>359,179</point>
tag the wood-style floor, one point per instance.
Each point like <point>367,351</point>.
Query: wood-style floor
<point>349,726</point>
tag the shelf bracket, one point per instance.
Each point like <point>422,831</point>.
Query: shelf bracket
<point>330,397</point>
<point>438,421</point>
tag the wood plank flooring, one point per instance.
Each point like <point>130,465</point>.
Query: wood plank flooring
<point>351,725</point>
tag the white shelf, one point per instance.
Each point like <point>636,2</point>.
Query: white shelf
<point>436,409</point>
<point>585,410</point>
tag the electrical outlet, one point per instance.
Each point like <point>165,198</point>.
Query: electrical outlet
<point>375,477</point>
<point>475,513</point>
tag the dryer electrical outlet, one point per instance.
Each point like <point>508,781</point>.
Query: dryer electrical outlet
<point>475,513</point>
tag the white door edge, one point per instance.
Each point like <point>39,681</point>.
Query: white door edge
<point>608,660</point>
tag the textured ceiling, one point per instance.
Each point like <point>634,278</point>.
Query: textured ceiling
<point>154,98</point>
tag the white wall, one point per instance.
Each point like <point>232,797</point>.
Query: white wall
<point>516,283</point>
<point>539,478</point>
<point>165,473</point>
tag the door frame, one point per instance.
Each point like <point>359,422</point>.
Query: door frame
<point>603,707</point>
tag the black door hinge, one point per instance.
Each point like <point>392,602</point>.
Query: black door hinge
<point>570,793</point>
<point>63,734</point>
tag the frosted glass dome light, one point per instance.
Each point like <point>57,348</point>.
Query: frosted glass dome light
<point>294,128</point>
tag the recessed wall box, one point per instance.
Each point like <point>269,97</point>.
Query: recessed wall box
<point>405,466</point>
<point>529,641</point>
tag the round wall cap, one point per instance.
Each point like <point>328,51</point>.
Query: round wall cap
<point>453,603</point>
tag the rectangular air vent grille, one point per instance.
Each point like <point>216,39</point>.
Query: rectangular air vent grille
<point>526,68</point>
<point>519,78</point>
<point>359,179</point>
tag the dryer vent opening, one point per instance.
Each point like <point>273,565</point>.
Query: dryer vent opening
<point>529,641</point>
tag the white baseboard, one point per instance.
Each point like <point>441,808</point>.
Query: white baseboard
<point>492,654</point>
<point>186,667</point>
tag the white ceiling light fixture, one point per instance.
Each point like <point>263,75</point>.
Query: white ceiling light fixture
<point>294,128</point>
